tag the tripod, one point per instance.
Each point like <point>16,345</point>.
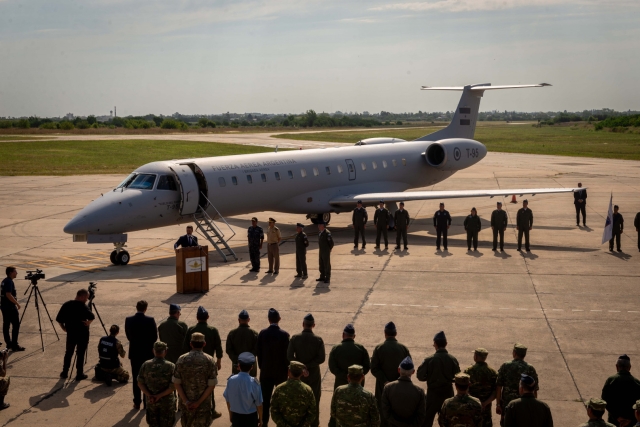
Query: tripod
<point>37,296</point>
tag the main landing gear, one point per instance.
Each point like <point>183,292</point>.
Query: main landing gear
<point>326,217</point>
<point>120,256</point>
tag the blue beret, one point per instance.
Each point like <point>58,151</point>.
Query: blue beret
<point>273,313</point>
<point>406,364</point>
<point>174,307</point>
<point>349,329</point>
<point>309,318</point>
<point>247,358</point>
<point>527,380</point>
<point>202,312</point>
<point>300,225</point>
<point>244,314</point>
<point>391,327</point>
<point>440,336</point>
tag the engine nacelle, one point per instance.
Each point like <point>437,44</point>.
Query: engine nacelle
<point>372,141</point>
<point>454,153</point>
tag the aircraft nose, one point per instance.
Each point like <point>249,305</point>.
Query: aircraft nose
<point>76,226</point>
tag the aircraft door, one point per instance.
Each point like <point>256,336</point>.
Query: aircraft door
<point>351,167</point>
<point>188,188</point>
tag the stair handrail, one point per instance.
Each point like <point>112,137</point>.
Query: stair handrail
<point>233,233</point>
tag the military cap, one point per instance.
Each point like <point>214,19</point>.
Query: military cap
<point>381,201</point>
<point>462,379</point>
<point>321,222</point>
<point>441,203</point>
<point>247,358</point>
<point>159,346</point>
<point>309,318</point>
<point>482,351</point>
<point>197,337</point>
<point>473,209</point>
<point>624,357</point>
<point>254,219</point>
<point>406,364</point>
<point>525,201</point>
<point>202,312</point>
<point>355,370</point>
<point>390,327</point>
<point>616,206</point>
<point>637,405</point>
<point>272,220</point>
<point>174,307</point>
<point>520,349</point>
<point>273,313</point>
<point>349,329</point>
<point>300,225</point>
<point>244,315</point>
<point>597,404</point>
<point>440,336</point>
<point>359,202</point>
<point>402,203</point>
<point>296,367</point>
<point>499,203</point>
<point>527,380</point>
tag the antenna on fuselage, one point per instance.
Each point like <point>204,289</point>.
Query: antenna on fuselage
<point>276,148</point>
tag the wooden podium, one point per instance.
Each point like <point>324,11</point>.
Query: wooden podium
<point>192,270</point>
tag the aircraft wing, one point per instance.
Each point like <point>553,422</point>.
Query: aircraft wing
<point>374,198</point>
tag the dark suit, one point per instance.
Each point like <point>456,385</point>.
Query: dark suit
<point>636,224</point>
<point>580,207</point>
<point>186,241</point>
<point>273,343</point>
<point>524,221</point>
<point>618,227</point>
<point>141,332</point>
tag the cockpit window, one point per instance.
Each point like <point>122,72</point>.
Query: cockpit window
<point>143,182</point>
<point>167,182</point>
<point>127,181</point>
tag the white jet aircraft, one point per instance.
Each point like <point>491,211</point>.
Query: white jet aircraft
<point>316,182</point>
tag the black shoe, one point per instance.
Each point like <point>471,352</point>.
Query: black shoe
<point>584,224</point>
<point>355,246</point>
<point>320,279</point>
<point>386,247</point>
<point>304,276</point>
<point>519,250</point>
<point>610,249</point>
<point>298,275</point>
<point>326,281</point>
<point>17,348</point>
<point>108,380</point>
<point>269,271</point>
<point>494,249</point>
<point>81,377</point>
<point>468,249</point>
<point>501,250</point>
<point>406,247</point>
<point>437,248</point>
<point>3,405</point>
<point>363,245</point>
<point>475,249</point>
<point>64,374</point>
<point>216,415</point>
<point>577,225</point>
<point>253,270</point>
<point>397,247</point>
<point>276,272</point>
<point>446,249</point>
<point>376,247</point>
<point>619,250</point>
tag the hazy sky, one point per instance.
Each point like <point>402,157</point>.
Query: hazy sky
<point>190,56</point>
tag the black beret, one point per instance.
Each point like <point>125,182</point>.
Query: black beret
<point>527,380</point>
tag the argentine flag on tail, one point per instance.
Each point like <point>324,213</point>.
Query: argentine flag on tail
<point>608,225</point>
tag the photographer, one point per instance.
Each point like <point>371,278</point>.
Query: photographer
<point>110,367</point>
<point>4,379</point>
<point>9,306</point>
<point>74,318</point>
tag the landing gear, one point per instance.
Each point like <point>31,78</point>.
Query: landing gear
<point>119,256</point>
<point>326,217</point>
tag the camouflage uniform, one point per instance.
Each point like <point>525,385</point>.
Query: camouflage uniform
<point>461,411</point>
<point>598,405</point>
<point>4,385</point>
<point>196,371</point>
<point>120,374</point>
<point>293,405</point>
<point>156,375</point>
<point>597,423</point>
<point>353,406</point>
<point>509,378</point>
<point>483,385</point>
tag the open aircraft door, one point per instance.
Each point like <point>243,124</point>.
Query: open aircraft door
<point>188,188</point>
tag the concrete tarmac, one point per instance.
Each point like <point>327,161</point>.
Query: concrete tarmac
<point>571,301</point>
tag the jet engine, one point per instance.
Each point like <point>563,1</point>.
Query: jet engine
<point>454,153</point>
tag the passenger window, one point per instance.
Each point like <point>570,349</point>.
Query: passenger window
<point>316,172</point>
<point>339,169</point>
<point>290,173</point>
<point>404,162</point>
<point>277,176</point>
<point>143,182</point>
<point>303,172</point>
<point>375,165</point>
<point>264,177</point>
<point>364,166</point>
<point>394,163</point>
<point>221,182</point>
<point>328,170</point>
<point>384,164</point>
<point>234,180</point>
<point>249,179</point>
<point>166,182</point>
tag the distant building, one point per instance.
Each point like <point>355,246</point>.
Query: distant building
<point>68,116</point>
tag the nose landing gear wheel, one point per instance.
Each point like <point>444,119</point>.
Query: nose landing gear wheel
<point>123,258</point>
<point>112,257</point>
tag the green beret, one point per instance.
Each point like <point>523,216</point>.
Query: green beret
<point>355,370</point>
<point>462,379</point>
<point>520,349</point>
<point>481,351</point>
<point>296,367</point>
<point>597,404</point>
<point>197,337</point>
<point>159,346</point>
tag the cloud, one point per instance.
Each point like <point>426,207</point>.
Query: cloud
<point>484,5</point>
<point>359,20</point>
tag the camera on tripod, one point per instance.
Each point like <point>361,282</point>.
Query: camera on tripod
<point>34,276</point>
<point>93,286</point>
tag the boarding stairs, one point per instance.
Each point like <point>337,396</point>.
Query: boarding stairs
<point>213,233</point>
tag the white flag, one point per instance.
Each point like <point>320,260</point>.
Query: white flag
<point>608,225</point>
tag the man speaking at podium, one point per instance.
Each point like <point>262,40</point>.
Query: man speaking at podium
<point>187,240</point>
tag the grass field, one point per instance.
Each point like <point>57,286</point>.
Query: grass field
<point>15,138</point>
<point>99,157</point>
<point>579,141</point>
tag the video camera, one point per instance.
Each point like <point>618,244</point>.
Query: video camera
<point>34,276</point>
<point>92,290</point>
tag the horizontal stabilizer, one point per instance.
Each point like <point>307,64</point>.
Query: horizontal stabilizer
<point>483,87</point>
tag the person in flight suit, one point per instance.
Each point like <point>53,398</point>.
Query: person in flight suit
<point>325,244</point>
<point>381,221</point>
<point>359,220</point>
<point>187,240</point>
<point>524,223</point>
<point>402,220</point>
<point>472,225</point>
<point>499,222</point>
<point>442,222</point>
<point>172,331</point>
<point>636,224</point>
<point>616,231</point>
<point>580,201</point>
<point>273,247</point>
<point>255,235</point>
<point>302,242</point>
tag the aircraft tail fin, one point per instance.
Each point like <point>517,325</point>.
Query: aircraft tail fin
<point>465,117</point>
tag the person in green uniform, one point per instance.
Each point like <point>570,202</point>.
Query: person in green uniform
<point>402,220</point>
<point>155,381</point>
<point>509,375</point>
<point>483,383</point>
<point>620,391</point>
<point>359,220</point>
<point>325,244</point>
<point>499,221</point>
<point>381,221</point>
<point>385,360</point>
<point>595,412</point>
<point>527,411</point>
<point>302,242</point>
<point>212,347</point>
<point>462,410</point>
<point>438,370</point>
<point>172,332</point>
<point>403,404</point>
<point>636,406</point>
<point>308,348</point>
<point>524,224</point>
<point>242,339</point>
<point>472,225</point>
<point>352,405</point>
<point>293,403</point>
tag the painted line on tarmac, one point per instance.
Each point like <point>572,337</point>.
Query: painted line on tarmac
<point>574,310</point>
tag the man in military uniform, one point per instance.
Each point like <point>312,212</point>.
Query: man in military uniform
<point>620,391</point>
<point>273,247</point>
<point>385,360</point>
<point>580,201</point>
<point>212,347</point>
<point>302,242</point>
<point>403,404</point>
<point>472,225</point>
<point>325,244</point>
<point>243,395</point>
<point>524,224</point>
<point>636,406</point>
<point>462,410</point>
<point>527,411</point>
<point>508,381</point>
<point>359,220</point>
<point>242,339</point>
<point>155,381</point>
<point>483,383</point>
<point>308,348</point>
<point>441,222</point>
<point>352,405</point>
<point>195,376</point>
<point>293,402</point>
<point>617,229</point>
<point>438,370</point>
<point>595,411</point>
<point>401,218</point>
<point>109,348</point>
<point>636,224</point>
<point>172,332</point>
<point>499,223</point>
<point>255,236</point>
<point>5,380</point>
<point>381,221</point>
